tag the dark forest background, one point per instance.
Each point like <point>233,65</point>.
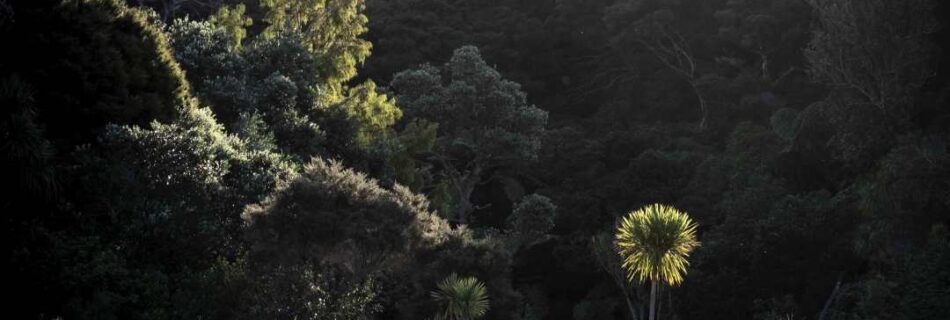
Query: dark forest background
<point>336,159</point>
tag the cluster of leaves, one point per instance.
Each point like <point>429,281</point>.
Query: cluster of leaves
<point>655,242</point>
<point>461,298</point>
<point>485,121</point>
<point>274,90</point>
<point>333,220</point>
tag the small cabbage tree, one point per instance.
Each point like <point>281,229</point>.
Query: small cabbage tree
<point>461,298</point>
<point>654,243</point>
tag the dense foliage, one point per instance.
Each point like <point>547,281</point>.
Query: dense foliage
<point>248,159</point>
<point>485,121</point>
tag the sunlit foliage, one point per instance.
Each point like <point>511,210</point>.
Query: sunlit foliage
<point>655,242</point>
<point>331,29</point>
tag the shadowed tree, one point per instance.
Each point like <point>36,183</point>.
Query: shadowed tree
<point>671,48</point>
<point>485,121</point>
<point>329,231</point>
<point>532,218</point>
<point>461,298</point>
<point>877,49</point>
<point>656,28</point>
<point>654,243</point>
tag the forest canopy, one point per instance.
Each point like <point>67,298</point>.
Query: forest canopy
<point>477,159</point>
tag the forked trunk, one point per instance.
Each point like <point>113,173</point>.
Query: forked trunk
<point>465,206</point>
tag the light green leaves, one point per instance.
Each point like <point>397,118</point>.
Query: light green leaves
<point>655,242</point>
<point>234,21</point>
<point>332,30</point>
<point>374,113</point>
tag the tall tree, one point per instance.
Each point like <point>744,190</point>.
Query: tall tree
<point>332,32</point>
<point>657,34</point>
<point>331,29</point>
<point>654,242</point>
<point>485,121</point>
<point>878,49</point>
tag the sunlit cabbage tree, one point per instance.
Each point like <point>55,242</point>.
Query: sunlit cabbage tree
<point>654,243</point>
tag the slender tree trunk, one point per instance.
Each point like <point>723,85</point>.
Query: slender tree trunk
<point>626,298</point>
<point>702,104</point>
<point>465,206</point>
<point>834,294</point>
<point>653,301</point>
<point>669,294</point>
